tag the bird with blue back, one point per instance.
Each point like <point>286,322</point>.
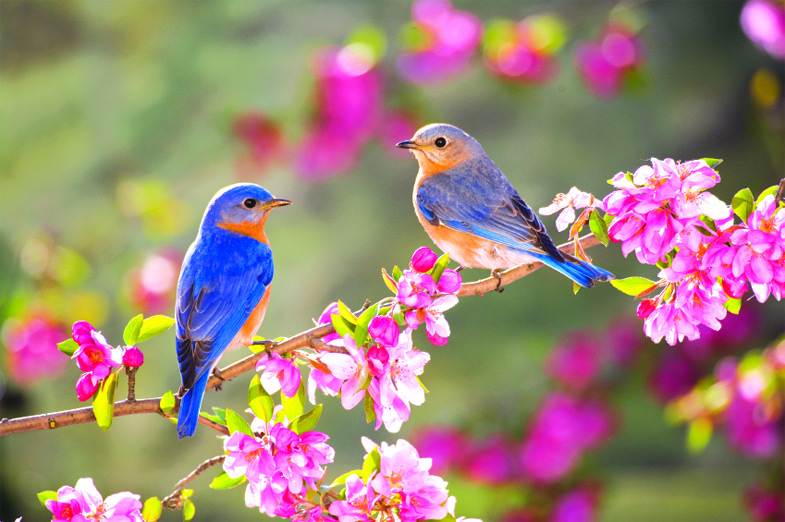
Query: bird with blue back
<point>470,209</point>
<point>223,289</point>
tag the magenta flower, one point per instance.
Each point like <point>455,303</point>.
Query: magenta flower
<point>578,505</point>
<point>133,357</point>
<point>152,285</point>
<point>448,37</point>
<point>415,289</point>
<point>360,501</point>
<point>95,357</point>
<point>384,330</point>
<point>524,52</point>
<point>604,64</point>
<point>279,374</point>
<point>674,376</point>
<point>491,461</point>
<point>450,282</point>
<point>444,445</point>
<point>576,361</point>
<point>423,260</point>
<point>84,503</point>
<point>326,318</point>
<point>352,369</point>
<point>764,504</point>
<point>436,326</point>
<point>567,203</point>
<point>32,349</point>
<point>763,21</point>
<point>86,386</point>
<point>262,138</point>
<point>398,387</point>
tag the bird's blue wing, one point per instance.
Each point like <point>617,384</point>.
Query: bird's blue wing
<point>486,206</point>
<point>216,295</point>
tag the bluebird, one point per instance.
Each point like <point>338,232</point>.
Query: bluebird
<point>223,289</point>
<point>469,208</point>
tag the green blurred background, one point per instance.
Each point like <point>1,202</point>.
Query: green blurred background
<point>116,131</point>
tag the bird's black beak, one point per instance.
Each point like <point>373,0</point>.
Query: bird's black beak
<point>406,144</point>
<point>278,202</point>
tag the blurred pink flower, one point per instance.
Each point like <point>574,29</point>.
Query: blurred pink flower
<point>603,64</point>
<point>152,285</point>
<point>84,502</point>
<point>394,125</point>
<point>576,361</point>
<point>763,21</point>
<point>674,376</point>
<point>445,446</point>
<point>765,505</point>
<point>263,141</point>
<point>578,505</point>
<point>491,460</point>
<point>32,348</point>
<point>516,53</point>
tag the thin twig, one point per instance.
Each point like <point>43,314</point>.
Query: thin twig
<point>131,373</point>
<point>175,500</point>
<point>780,195</point>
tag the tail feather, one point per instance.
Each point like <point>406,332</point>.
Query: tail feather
<point>583,273</point>
<point>190,406</point>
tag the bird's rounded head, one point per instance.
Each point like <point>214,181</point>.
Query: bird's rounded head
<point>440,146</point>
<point>241,208</point>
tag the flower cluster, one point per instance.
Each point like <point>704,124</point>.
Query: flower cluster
<point>84,502</point>
<point>400,487</point>
<point>604,64</point>
<point>281,466</point>
<point>32,353</point>
<point>568,203</point>
<point>763,21</point>
<point>97,358</point>
<point>151,286</point>
<point>441,41</point>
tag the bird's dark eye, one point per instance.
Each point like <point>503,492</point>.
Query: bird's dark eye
<point>440,142</point>
<point>250,203</point>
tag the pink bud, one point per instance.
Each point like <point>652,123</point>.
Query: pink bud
<point>423,259</point>
<point>82,332</point>
<point>384,330</point>
<point>133,357</point>
<point>377,360</point>
<point>85,387</point>
<point>645,308</point>
<point>450,282</point>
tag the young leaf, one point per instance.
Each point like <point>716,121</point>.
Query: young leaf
<point>306,421</point>
<point>236,423</point>
<point>742,203</point>
<point>68,347</point>
<point>598,227</point>
<point>259,400</point>
<point>167,402</point>
<point>698,434</point>
<point>224,481</point>
<point>189,509</point>
<point>153,326</point>
<point>712,162</point>
<point>370,413</point>
<point>733,305</point>
<point>46,495</point>
<point>103,403</point>
<point>771,190</point>
<point>396,273</point>
<point>151,511</point>
<point>293,407</point>
<point>342,326</point>
<point>346,313</point>
<point>389,281</point>
<point>131,332</point>
<point>634,286</point>
<point>342,479</point>
<point>219,417</point>
<point>439,266</point>
<point>371,464</point>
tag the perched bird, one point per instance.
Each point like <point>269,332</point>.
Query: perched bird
<point>469,208</point>
<point>223,289</point>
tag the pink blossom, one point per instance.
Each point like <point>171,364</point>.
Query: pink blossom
<point>384,330</point>
<point>352,369</point>
<point>444,445</point>
<point>578,505</point>
<point>415,289</point>
<point>423,260</point>
<point>603,64</point>
<point>576,361</point>
<point>263,140</point>
<point>359,503</point>
<point>86,386</point>
<point>450,282</point>
<point>398,387</point>
<point>279,374</point>
<point>96,355</point>
<point>152,285</point>
<point>133,357</point>
<point>32,348</point>
<point>326,318</point>
<point>567,203</point>
<point>763,21</point>
<point>84,503</point>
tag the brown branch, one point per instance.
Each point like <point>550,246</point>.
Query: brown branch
<point>309,338</point>
<point>780,195</point>
<point>175,500</point>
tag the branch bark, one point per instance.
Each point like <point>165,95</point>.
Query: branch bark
<point>308,338</point>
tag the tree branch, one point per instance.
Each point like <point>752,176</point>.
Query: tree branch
<point>309,338</point>
<point>175,500</point>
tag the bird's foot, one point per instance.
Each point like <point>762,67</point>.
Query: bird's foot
<point>268,346</point>
<point>218,376</point>
<point>181,392</point>
<point>460,268</point>
<point>497,273</point>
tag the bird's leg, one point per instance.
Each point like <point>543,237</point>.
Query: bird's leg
<point>218,376</point>
<point>461,267</point>
<point>181,391</point>
<point>268,345</point>
<point>496,272</point>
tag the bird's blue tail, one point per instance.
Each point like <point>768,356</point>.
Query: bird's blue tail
<point>583,273</point>
<point>190,405</point>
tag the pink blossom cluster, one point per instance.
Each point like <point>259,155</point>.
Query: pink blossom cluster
<point>84,503</point>
<point>524,51</point>
<point>568,203</point>
<point>32,352</point>
<point>763,21</point>
<point>604,64</point>
<point>401,489</point>
<point>764,504</point>
<point>281,467</point>
<point>97,358</point>
<point>262,139</point>
<point>151,286</point>
<point>446,41</point>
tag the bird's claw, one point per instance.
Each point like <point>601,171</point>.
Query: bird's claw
<point>460,268</point>
<point>218,376</point>
<point>268,346</point>
<point>496,272</point>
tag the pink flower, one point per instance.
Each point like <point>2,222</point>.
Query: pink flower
<point>444,445</point>
<point>152,285</point>
<point>415,289</point>
<point>352,369</point>
<point>448,41</point>
<point>133,357</point>
<point>576,361</point>
<point>763,22</point>
<point>326,318</point>
<point>423,260</point>
<point>450,282</point>
<point>86,386</point>
<point>604,64</point>
<point>567,203</point>
<point>524,51</point>
<point>262,138</point>
<point>674,376</point>
<point>394,125</point>
<point>279,374</point>
<point>384,330</point>
<point>398,386</point>
<point>94,356</point>
<point>84,502</point>
<point>32,349</point>
<point>764,504</point>
<point>436,326</point>
<point>579,505</point>
<point>359,503</point>
<point>491,461</point>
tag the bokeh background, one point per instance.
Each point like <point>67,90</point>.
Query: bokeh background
<point>121,120</point>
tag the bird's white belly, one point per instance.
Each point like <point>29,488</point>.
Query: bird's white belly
<point>488,255</point>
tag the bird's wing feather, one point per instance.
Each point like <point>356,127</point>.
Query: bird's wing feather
<point>214,301</point>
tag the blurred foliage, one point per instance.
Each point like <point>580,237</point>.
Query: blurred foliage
<point>116,131</point>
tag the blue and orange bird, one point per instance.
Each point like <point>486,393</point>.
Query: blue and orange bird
<point>469,208</point>
<point>223,289</point>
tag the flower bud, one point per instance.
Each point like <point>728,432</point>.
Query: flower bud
<point>384,330</point>
<point>423,259</point>
<point>133,357</point>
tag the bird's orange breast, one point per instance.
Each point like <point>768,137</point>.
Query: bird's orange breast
<point>246,334</point>
<point>254,229</point>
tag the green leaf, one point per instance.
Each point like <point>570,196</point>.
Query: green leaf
<point>153,326</point>
<point>151,511</point>
<point>293,407</point>
<point>103,403</point>
<point>712,162</point>
<point>598,227</point>
<point>342,479</point>
<point>189,509</point>
<point>742,203</point>
<point>236,423</point>
<point>46,495</point>
<point>167,402</point>
<point>68,347</point>
<point>371,37</point>
<point>370,413</point>
<point>219,417</point>
<point>771,190</point>
<point>131,332</point>
<point>698,434</point>
<point>259,400</point>
<point>439,266</point>
<point>634,286</point>
<point>347,314</point>
<point>733,305</point>
<point>306,421</point>
<point>361,331</point>
<point>396,273</point>
<point>224,481</point>
<point>389,281</point>
<point>371,464</point>
<point>342,326</point>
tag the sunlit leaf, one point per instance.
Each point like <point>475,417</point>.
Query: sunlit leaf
<point>347,314</point>
<point>396,273</point>
<point>439,266</point>
<point>224,481</point>
<point>598,227</point>
<point>293,407</point>
<point>342,479</point>
<point>167,402</point>
<point>361,330</point>
<point>342,326</point>
<point>103,403</point>
<point>389,281</point>
<point>769,191</point>
<point>259,400</point>
<point>712,162</point>
<point>68,347</point>
<point>236,423</point>
<point>153,326</point>
<point>189,509</point>
<point>370,413</point>
<point>307,421</point>
<point>131,332</point>
<point>699,434</point>
<point>371,464</point>
<point>46,495</point>
<point>634,286</point>
<point>733,305</point>
<point>742,203</point>
<point>151,511</point>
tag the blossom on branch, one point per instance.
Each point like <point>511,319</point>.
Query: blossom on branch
<point>84,503</point>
